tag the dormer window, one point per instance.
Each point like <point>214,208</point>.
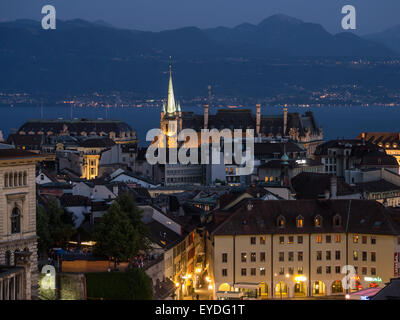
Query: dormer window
<point>318,221</point>
<point>281,222</point>
<point>300,222</point>
<point>337,220</point>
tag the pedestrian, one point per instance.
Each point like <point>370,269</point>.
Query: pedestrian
<point>197,297</point>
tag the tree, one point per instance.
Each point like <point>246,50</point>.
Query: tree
<point>54,225</point>
<point>115,236</point>
<point>134,213</point>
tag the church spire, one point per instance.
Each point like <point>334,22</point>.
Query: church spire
<point>171,107</point>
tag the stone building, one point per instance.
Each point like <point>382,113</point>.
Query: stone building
<point>116,130</point>
<point>18,240</point>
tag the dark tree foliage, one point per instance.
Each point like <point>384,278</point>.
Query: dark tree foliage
<point>115,236</point>
<point>54,225</point>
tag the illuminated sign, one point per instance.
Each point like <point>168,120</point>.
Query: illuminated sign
<point>371,279</point>
<point>300,279</point>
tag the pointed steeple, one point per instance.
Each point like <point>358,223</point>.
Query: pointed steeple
<point>163,107</point>
<point>171,107</point>
<point>178,108</point>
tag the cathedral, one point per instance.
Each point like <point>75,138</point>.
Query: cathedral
<point>300,128</point>
<point>171,117</point>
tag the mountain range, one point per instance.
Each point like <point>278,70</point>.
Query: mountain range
<point>81,55</point>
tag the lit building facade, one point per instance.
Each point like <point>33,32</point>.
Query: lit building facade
<point>18,240</point>
<point>286,249</point>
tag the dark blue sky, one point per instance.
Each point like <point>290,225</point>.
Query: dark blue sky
<point>154,15</point>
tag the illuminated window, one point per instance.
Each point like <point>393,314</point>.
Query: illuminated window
<point>355,255</point>
<point>318,221</point>
<point>281,222</point>
<point>319,239</point>
<point>337,238</point>
<point>262,271</point>
<point>262,240</point>
<point>300,270</point>
<point>253,257</point>
<point>300,222</point>
<point>355,239</point>
<point>244,256</point>
<point>281,240</point>
<point>290,240</point>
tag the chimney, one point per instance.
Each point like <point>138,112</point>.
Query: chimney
<point>115,190</point>
<point>363,138</point>
<point>258,119</point>
<point>333,187</point>
<point>284,121</point>
<point>206,107</point>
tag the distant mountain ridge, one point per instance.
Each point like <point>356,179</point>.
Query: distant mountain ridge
<point>81,55</point>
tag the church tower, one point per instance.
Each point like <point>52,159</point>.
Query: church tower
<point>171,117</point>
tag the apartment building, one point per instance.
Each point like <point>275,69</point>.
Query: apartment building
<point>285,249</point>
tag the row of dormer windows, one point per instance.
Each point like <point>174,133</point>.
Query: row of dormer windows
<point>337,221</point>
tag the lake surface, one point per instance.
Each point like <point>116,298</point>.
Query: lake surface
<point>336,122</point>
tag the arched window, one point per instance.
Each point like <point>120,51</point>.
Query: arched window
<point>20,178</point>
<point>16,220</point>
<point>318,221</point>
<point>15,179</point>
<point>25,178</point>
<point>337,220</point>
<point>281,222</point>
<point>300,222</point>
<point>6,180</point>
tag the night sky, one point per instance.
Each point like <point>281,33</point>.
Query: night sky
<point>154,15</point>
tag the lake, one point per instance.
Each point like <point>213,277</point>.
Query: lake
<point>336,122</point>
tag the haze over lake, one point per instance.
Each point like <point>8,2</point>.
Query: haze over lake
<point>335,121</point>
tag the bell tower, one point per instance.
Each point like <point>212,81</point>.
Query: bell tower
<point>171,116</point>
